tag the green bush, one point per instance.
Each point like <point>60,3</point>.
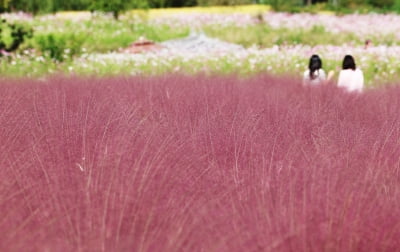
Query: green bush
<point>12,36</point>
<point>60,47</point>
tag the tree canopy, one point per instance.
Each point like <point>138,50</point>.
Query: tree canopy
<point>117,6</point>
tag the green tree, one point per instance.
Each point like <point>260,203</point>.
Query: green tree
<point>396,5</point>
<point>223,2</point>
<point>382,3</point>
<point>118,6</point>
<point>31,6</point>
<point>4,5</point>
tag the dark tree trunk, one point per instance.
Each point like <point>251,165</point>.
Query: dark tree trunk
<point>116,14</point>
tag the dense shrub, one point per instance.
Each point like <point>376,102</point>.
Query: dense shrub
<point>12,36</point>
<point>60,47</point>
<point>180,163</point>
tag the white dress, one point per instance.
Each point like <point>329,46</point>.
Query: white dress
<point>351,80</point>
<point>319,77</point>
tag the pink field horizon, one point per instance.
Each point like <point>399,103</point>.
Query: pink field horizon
<point>178,163</point>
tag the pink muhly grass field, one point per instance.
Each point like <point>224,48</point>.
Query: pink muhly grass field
<point>179,163</point>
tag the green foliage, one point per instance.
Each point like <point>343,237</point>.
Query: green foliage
<point>396,6</point>
<point>223,2</point>
<point>382,3</point>
<point>171,3</point>
<point>45,6</point>
<point>278,5</point>
<point>104,35</point>
<point>118,6</point>
<point>340,6</point>
<point>60,47</point>
<point>31,6</point>
<point>179,3</point>
<point>4,5</point>
<point>264,36</point>
<point>12,36</point>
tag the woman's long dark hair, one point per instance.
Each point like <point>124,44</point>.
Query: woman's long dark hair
<point>349,63</point>
<point>315,64</point>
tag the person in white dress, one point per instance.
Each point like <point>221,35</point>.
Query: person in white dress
<point>315,75</point>
<point>350,77</point>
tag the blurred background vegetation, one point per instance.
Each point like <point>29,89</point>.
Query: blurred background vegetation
<point>48,44</point>
<point>117,6</point>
